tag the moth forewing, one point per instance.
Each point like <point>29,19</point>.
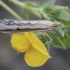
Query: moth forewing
<point>15,26</point>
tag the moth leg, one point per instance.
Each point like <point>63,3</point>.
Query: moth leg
<point>48,37</point>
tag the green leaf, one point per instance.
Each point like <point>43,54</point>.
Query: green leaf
<point>60,32</point>
<point>48,5</point>
<point>66,40</point>
<point>54,14</point>
<point>61,16</point>
<point>64,15</point>
<point>56,7</point>
<point>57,43</point>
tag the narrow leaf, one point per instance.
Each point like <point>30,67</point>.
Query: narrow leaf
<point>48,5</point>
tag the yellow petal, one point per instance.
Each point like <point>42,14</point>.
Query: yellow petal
<point>20,42</point>
<point>39,45</point>
<point>35,58</point>
<point>37,54</point>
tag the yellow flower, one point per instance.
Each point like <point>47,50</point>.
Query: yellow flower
<point>36,53</point>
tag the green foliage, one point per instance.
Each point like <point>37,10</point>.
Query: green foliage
<point>57,42</point>
<point>25,14</point>
<point>64,16</point>
<point>48,5</point>
<point>47,11</point>
<point>31,4</point>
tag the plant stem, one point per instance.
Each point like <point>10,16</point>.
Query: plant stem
<point>10,10</point>
<point>36,11</point>
<point>18,3</point>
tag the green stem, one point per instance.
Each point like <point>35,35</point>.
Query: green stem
<point>10,10</point>
<point>35,11</point>
<point>18,3</point>
<point>25,14</point>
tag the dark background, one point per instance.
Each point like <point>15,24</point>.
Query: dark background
<point>10,60</point>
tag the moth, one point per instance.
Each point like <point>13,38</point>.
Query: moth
<point>15,26</point>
